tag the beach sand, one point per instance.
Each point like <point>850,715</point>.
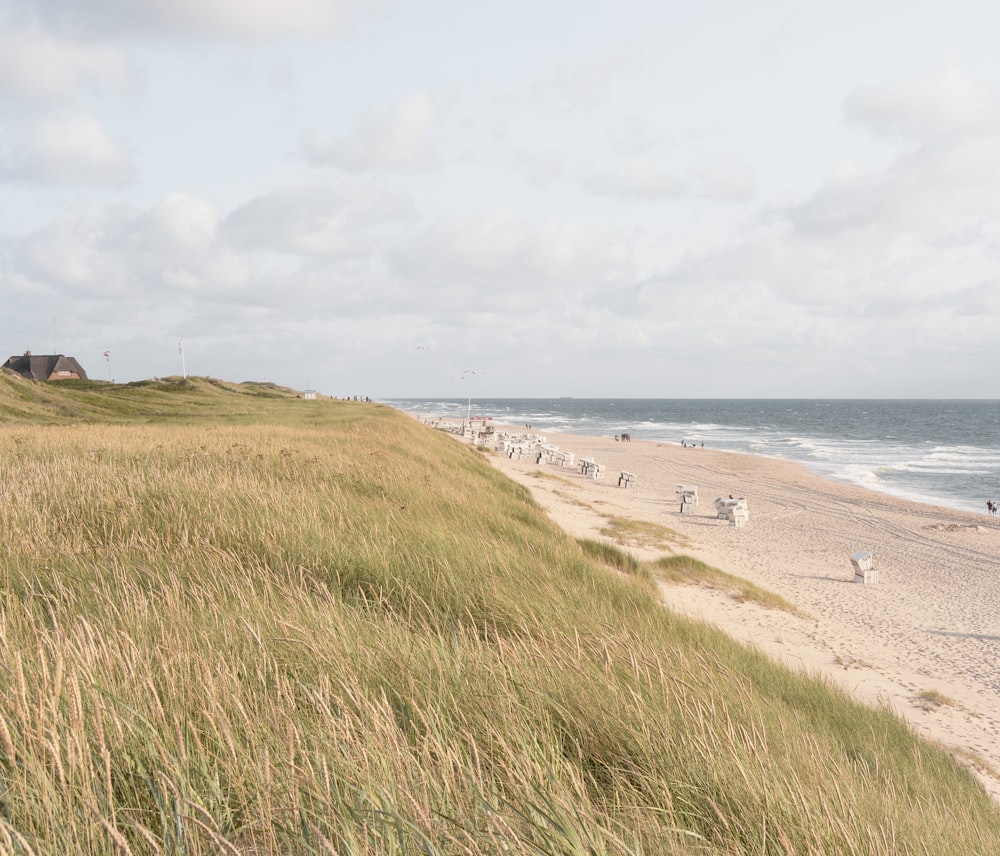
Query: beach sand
<point>924,640</point>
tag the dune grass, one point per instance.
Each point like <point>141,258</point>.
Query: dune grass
<point>685,569</point>
<point>644,533</point>
<point>542,475</point>
<point>613,557</point>
<point>933,699</point>
<point>251,624</point>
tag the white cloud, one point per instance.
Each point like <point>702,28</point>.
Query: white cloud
<point>583,84</point>
<point>503,261</point>
<point>397,140</point>
<point>683,207</point>
<point>932,188</point>
<point>637,178</point>
<point>67,257</point>
<point>632,135</point>
<point>726,182</point>
<point>281,255</point>
<point>254,19</point>
<point>940,104</point>
<point>542,168</point>
<point>71,147</point>
<point>116,253</point>
<point>846,307</point>
<point>338,220</point>
<point>177,225</point>
<point>981,300</point>
<point>947,176</point>
<point>40,66</point>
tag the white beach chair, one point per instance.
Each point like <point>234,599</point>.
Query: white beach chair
<point>864,567</point>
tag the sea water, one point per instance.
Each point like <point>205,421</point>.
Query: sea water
<point>942,452</point>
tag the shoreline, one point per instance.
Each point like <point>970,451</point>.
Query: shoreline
<point>924,640</point>
<point>931,451</point>
<point>920,499</point>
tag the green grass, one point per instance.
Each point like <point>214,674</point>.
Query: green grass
<point>164,400</point>
<point>613,557</point>
<point>543,475</point>
<point>643,533</point>
<point>684,569</point>
<point>933,699</point>
<point>247,623</point>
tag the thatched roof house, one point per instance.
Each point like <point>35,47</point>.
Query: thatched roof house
<point>46,367</point>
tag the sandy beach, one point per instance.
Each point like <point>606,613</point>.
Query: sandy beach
<point>924,640</point>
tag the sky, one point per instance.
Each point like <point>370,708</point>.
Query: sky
<point>526,199</point>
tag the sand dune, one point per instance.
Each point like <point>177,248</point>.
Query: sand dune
<point>928,629</point>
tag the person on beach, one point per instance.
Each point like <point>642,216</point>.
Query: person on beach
<point>991,507</point>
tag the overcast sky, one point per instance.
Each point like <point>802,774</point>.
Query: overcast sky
<point>629,199</point>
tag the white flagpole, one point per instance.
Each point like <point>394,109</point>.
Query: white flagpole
<point>107,359</point>
<point>468,412</point>
<point>180,350</point>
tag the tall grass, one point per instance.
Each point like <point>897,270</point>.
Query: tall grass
<point>318,627</point>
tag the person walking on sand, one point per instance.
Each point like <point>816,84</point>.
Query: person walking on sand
<point>991,507</point>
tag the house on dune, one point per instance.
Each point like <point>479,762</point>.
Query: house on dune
<point>46,367</point>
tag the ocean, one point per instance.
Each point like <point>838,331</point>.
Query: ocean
<point>940,452</point>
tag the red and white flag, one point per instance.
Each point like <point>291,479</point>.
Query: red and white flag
<point>107,353</point>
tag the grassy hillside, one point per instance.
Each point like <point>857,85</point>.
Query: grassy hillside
<point>243,623</point>
<point>166,399</point>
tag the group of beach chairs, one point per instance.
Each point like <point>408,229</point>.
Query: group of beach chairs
<point>733,510</point>
<point>444,424</point>
<point>528,446</point>
<point>534,447</point>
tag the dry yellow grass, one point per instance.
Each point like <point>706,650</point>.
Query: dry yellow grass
<point>265,626</point>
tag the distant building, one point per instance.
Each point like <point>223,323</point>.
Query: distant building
<point>46,367</point>
<point>309,394</point>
